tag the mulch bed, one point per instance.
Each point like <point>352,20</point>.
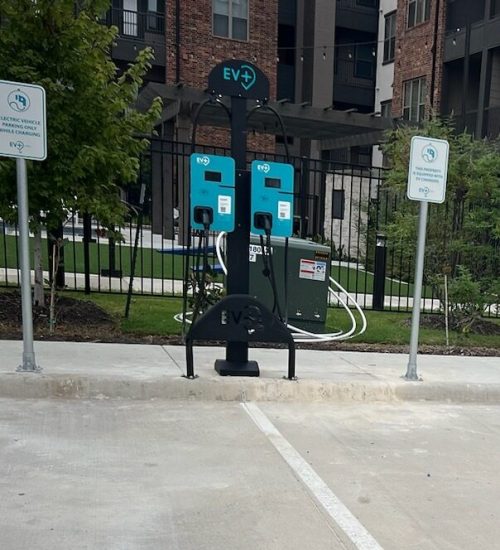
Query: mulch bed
<point>480,326</point>
<point>84,321</point>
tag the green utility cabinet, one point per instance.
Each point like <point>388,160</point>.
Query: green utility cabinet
<point>308,280</point>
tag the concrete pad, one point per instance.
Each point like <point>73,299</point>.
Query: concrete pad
<point>124,475</point>
<point>418,476</point>
<point>149,475</point>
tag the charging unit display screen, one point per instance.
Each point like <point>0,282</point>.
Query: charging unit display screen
<point>272,182</point>
<point>272,198</point>
<point>212,192</point>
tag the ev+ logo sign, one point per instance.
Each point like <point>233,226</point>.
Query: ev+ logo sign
<point>244,75</point>
<point>238,78</point>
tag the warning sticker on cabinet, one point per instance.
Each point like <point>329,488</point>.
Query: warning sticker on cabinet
<point>315,271</point>
<point>284,210</point>
<point>224,206</point>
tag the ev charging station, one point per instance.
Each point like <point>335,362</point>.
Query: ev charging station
<point>212,192</point>
<point>225,196</point>
<point>272,198</point>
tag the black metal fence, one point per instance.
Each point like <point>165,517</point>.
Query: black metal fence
<point>343,206</point>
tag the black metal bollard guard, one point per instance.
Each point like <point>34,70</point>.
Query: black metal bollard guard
<point>239,318</point>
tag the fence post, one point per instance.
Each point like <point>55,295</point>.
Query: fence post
<point>87,239</point>
<point>111,271</point>
<point>379,272</point>
<point>304,186</point>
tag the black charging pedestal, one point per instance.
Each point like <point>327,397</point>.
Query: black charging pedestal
<point>241,81</point>
<point>239,319</point>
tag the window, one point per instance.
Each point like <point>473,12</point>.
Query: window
<point>367,3</point>
<point>414,100</point>
<point>130,22</point>
<point>154,19</point>
<point>390,37</point>
<point>230,18</point>
<point>386,109</point>
<point>338,204</point>
<point>364,66</point>
<point>418,12</point>
<point>361,155</point>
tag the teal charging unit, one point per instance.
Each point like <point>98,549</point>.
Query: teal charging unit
<point>212,192</point>
<point>272,198</point>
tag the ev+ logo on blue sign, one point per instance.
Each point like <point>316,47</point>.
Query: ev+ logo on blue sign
<point>245,75</point>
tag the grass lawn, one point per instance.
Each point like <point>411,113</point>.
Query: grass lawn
<point>154,316</point>
<point>149,262</point>
<point>362,282</point>
<point>165,266</point>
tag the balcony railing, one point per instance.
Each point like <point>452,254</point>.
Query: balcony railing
<point>134,24</point>
<point>368,5</point>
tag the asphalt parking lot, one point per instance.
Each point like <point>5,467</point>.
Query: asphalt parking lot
<point>158,474</point>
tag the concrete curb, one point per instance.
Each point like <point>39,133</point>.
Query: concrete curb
<point>62,386</point>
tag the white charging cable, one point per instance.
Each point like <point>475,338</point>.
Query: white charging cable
<point>301,335</point>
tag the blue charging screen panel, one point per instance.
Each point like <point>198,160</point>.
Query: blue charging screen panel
<point>272,192</point>
<point>212,186</point>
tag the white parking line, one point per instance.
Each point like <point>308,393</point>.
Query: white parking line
<point>334,507</point>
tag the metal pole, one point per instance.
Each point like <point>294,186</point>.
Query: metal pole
<point>29,362</point>
<point>87,237</point>
<point>379,270</point>
<point>411,373</point>
<point>446,310</point>
<point>239,240</point>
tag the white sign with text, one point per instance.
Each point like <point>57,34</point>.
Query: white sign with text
<point>22,121</point>
<point>428,169</point>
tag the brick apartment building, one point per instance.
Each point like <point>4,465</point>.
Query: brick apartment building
<point>418,58</point>
<point>202,33</point>
<point>446,60</point>
<point>301,46</point>
<point>400,58</point>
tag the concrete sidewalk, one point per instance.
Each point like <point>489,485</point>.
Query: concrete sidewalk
<point>86,370</point>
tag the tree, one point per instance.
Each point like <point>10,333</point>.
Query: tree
<point>93,127</point>
<point>463,234</point>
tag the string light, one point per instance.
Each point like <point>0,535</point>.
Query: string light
<point>325,49</point>
<point>329,47</point>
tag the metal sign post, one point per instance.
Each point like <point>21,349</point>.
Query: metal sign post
<point>427,176</point>
<point>23,136</point>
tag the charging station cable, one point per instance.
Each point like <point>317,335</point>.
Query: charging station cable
<point>272,278</point>
<point>304,336</point>
<point>199,282</point>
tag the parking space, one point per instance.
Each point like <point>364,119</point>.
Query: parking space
<point>117,474</point>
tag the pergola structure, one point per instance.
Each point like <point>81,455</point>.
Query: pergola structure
<point>333,129</point>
